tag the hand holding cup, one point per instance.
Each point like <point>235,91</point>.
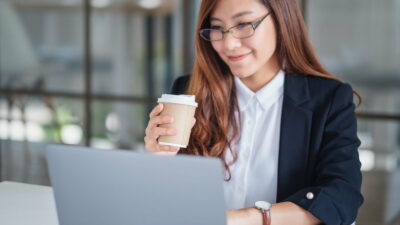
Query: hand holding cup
<point>170,124</point>
<point>154,131</point>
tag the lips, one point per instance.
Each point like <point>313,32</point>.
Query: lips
<point>238,57</point>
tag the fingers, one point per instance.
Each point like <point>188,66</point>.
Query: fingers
<point>167,148</point>
<point>150,139</point>
<point>151,142</point>
<point>156,132</point>
<point>154,147</point>
<point>156,111</point>
<point>158,120</point>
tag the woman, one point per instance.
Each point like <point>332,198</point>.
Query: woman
<point>284,127</point>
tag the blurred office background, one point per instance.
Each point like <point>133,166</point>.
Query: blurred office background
<point>87,72</point>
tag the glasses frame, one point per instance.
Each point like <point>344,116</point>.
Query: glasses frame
<point>229,30</point>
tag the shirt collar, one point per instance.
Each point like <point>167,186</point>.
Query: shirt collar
<point>266,96</point>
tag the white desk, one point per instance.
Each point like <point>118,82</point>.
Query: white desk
<point>26,204</point>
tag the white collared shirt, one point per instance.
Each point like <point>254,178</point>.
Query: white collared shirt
<point>255,173</point>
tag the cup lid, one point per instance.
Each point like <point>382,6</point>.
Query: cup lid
<point>178,99</point>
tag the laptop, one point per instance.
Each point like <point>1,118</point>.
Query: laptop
<point>120,187</point>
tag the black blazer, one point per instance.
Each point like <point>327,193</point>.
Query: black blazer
<point>318,150</point>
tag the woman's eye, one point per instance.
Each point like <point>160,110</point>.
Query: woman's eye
<point>242,25</point>
<point>216,27</point>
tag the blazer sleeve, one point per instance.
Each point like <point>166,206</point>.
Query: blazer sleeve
<point>336,192</point>
<point>180,85</point>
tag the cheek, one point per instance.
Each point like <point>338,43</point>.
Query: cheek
<point>265,46</point>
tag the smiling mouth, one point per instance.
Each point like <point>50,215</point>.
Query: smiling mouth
<point>237,57</point>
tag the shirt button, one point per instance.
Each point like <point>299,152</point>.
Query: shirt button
<point>310,195</point>
<point>241,189</point>
<point>250,122</point>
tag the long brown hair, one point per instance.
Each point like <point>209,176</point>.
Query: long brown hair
<point>212,83</point>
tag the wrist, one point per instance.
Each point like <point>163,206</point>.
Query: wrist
<point>265,209</point>
<point>256,216</point>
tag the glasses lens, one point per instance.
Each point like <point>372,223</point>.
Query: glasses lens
<point>211,34</point>
<point>243,31</point>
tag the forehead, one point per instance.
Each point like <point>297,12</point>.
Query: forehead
<point>227,9</point>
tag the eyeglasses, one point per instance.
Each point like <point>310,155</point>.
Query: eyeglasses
<point>240,31</point>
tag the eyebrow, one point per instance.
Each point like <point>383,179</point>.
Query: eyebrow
<point>234,16</point>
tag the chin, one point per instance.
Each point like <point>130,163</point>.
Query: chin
<point>243,70</point>
<point>241,74</point>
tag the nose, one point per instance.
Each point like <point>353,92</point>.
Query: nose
<point>230,42</point>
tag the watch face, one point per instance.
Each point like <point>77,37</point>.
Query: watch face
<point>263,205</point>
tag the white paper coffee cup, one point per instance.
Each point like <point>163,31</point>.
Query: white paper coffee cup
<point>182,108</point>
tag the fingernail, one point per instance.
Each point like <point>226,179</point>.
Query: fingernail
<point>172,131</point>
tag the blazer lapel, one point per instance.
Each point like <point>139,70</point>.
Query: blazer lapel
<point>294,136</point>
